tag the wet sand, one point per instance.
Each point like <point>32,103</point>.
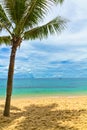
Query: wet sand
<point>46,113</point>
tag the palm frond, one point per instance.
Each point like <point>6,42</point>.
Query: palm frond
<point>35,11</point>
<point>58,1</point>
<point>15,9</point>
<point>4,18</point>
<point>5,40</point>
<point>54,26</point>
<point>2,25</point>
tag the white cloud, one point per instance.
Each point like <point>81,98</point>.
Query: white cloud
<point>35,58</point>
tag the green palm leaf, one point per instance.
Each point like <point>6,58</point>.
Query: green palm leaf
<point>59,1</point>
<point>27,13</point>
<point>5,39</point>
<point>15,9</point>
<point>35,11</point>
<point>54,26</point>
<point>3,26</point>
<point>3,18</point>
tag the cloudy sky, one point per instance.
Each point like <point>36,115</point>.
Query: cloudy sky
<point>63,55</point>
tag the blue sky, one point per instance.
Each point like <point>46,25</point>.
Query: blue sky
<point>63,55</point>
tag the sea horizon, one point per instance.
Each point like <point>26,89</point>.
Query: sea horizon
<point>46,86</point>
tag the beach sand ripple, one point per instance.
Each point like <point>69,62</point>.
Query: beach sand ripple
<point>46,113</point>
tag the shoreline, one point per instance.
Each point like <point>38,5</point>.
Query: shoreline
<point>45,95</point>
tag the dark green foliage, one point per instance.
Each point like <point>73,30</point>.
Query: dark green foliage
<point>6,40</point>
<point>3,19</point>
<point>56,25</point>
<point>15,9</point>
<point>21,18</point>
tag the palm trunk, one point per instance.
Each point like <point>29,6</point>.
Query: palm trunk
<point>10,81</point>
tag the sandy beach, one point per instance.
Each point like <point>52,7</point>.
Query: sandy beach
<point>46,113</point>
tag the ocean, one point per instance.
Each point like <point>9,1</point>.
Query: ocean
<point>37,87</point>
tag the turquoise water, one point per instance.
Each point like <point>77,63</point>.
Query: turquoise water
<point>28,87</point>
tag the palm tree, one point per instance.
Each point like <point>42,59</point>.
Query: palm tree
<point>20,19</point>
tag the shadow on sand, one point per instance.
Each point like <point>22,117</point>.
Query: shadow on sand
<point>41,118</point>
